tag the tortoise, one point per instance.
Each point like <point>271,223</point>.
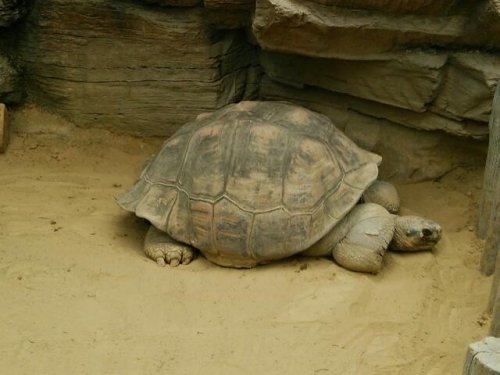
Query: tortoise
<point>259,181</point>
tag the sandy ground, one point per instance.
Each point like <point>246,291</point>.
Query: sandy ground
<point>77,295</point>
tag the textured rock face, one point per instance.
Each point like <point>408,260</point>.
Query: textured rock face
<point>429,91</point>
<point>229,14</point>
<point>10,82</point>
<point>311,29</point>
<point>434,7</point>
<point>174,3</point>
<point>131,68</point>
<point>483,28</point>
<point>412,155</point>
<point>468,86</point>
<point>406,80</point>
<point>11,11</point>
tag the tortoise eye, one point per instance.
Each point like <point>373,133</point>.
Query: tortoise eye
<point>426,232</point>
<point>411,232</point>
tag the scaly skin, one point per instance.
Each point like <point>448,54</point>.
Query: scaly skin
<point>414,233</point>
<point>162,248</point>
<point>360,240</point>
<point>383,193</point>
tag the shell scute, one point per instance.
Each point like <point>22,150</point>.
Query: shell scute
<point>231,230</point>
<point>203,169</point>
<point>255,176</point>
<point>270,227</point>
<point>164,169</point>
<point>310,173</point>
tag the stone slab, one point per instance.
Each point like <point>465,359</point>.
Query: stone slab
<point>406,80</point>
<point>307,28</point>
<point>427,121</point>
<point>432,7</point>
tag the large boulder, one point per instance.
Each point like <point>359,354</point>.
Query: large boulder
<point>317,30</point>
<point>131,68</point>
<point>11,11</point>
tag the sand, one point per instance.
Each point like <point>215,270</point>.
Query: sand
<point>77,295</point>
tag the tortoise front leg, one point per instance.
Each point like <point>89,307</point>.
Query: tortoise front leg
<point>359,241</point>
<point>364,246</point>
<point>162,248</point>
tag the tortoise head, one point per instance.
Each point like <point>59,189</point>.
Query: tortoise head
<point>414,233</point>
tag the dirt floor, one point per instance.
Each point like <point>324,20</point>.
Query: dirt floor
<point>77,295</point>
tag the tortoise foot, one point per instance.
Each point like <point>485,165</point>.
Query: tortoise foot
<point>165,250</point>
<point>173,256</point>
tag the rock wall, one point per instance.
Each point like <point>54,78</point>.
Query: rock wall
<point>11,91</point>
<point>385,71</point>
<point>11,11</point>
<point>410,79</point>
<point>138,69</point>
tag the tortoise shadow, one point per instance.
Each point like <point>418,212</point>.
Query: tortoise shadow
<point>130,231</point>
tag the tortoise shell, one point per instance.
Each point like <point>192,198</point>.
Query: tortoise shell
<point>252,182</point>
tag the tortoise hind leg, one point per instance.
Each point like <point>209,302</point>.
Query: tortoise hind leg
<point>162,248</point>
